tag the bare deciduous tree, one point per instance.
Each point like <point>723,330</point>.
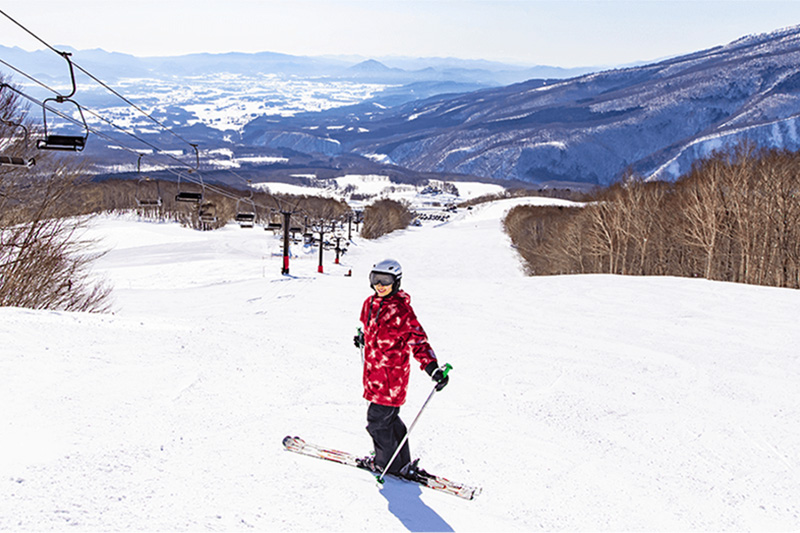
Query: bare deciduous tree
<point>44,262</point>
<point>385,216</point>
<point>734,217</point>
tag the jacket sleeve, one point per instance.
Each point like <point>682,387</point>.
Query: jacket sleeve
<point>417,340</point>
<point>363,316</point>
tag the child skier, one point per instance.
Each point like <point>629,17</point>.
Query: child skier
<point>391,334</point>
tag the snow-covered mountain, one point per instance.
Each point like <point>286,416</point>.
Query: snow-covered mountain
<point>654,119</point>
<point>148,79</point>
<point>209,99</point>
<point>334,116</point>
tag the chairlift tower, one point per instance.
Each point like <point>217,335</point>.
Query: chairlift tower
<point>321,245</point>
<point>322,231</point>
<point>287,216</point>
<point>338,249</point>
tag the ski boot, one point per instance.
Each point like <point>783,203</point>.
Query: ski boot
<point>413,472</point>
<point>368,463</point>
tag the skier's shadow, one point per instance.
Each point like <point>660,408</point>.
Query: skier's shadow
<point>405,503</point>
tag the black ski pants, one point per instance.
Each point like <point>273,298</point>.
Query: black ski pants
<point>387,430</point>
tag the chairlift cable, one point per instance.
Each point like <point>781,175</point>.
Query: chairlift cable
<point>279,202</point>
<point>139,109</point>
<point>150,145</point>
<point>104,85</point>
<point>66,55</point>
<point>156,149</point>
<point>9,17</point>
<point>9,65</point>
<point>178,173</point>
<point>92,76</point>
<point>69,118</point>
<point>101,134</point>
<point>88,110</point>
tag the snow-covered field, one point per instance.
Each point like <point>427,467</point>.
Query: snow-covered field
<point>220,100</point>
<point>380,186</point>
<point>578,403</point>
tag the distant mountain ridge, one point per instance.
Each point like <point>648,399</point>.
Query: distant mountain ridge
<point>654,119</point>
<point>112,66</point>
<point>449,116</point>
<point>211,98</point>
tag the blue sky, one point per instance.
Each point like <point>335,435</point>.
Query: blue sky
<point>564,33</point>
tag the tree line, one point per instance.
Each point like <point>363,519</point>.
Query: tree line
<point>156,199</point>
<point>734,217</point>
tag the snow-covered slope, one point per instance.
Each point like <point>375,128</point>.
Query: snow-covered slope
<point>578,403</point>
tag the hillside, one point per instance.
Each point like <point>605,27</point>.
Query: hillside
<point>208,99</point>
<point>278,115</point>
<point>581,403</point>
<point>654,119</point>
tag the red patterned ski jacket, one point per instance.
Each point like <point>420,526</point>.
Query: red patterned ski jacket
<point>392,334</point>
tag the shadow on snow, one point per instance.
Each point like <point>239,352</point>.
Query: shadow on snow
<point>405,503</point>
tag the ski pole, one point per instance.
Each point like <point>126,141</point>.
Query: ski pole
<point>361,344</point>
<point>447,368</point>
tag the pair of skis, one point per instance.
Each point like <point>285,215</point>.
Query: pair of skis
<point>437,483</point>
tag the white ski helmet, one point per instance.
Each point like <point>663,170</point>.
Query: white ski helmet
<point>390,267</point>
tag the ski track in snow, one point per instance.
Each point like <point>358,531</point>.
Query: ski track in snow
<point>580,403</point>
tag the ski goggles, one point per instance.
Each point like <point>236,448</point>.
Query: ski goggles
<point>380,278</point>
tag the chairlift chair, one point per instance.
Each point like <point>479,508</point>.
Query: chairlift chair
<point>207,212</point>
<point>148,191</point>
<point>245,212</point>
<point>54,141</point>
<point>246,220</point>
<point>66,143</point>
<point>16,161</point>
<point>13,161</point>
<point>188,196</point>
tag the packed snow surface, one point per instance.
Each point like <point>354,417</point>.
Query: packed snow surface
<point>578,403</point>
